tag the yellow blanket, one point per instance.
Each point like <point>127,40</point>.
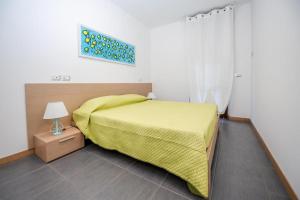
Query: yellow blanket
<point>171,135</point>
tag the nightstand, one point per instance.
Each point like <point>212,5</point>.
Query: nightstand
<point>49,147</point>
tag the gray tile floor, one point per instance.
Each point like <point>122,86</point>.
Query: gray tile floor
<point>241,170</point>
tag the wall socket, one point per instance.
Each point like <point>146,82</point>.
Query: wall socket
<point>56,78</point>
<point>61,78</point>
<point>66,78</point>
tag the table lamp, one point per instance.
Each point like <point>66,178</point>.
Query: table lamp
<point>55,111</point>
<point>151,95</point>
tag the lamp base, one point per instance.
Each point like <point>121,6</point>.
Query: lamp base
<point>57,128</point>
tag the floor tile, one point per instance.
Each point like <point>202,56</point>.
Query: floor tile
<point>15,169</point>
<point>242,170</point>
<point>239,168</point>
<point>163,194</point>
<point>95,177</point>
<point>72,163</point>
<point>274,196</point>
<point>242,150</point>
<point>249,189</point>
<point>226,186</point>
<point>273,183</point>
<point>29,185</point>
<point>112,156</point>
<point>179,186</point>
<point>128,187</point>
<point>61,191</point>
<point>262,159</point>
<point>148,171</point>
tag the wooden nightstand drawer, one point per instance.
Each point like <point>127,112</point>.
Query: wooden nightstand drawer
<point>49,147</point>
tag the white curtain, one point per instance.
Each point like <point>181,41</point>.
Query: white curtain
<point>210,56</point>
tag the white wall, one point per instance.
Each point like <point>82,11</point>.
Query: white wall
<point>168,65</point>
<point>276,70</point>
<point>39,39</point>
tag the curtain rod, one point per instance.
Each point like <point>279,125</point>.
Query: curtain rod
<point>233,4</point>
<point>215,8</point>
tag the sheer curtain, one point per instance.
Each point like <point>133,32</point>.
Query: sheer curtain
<point>210,56</point>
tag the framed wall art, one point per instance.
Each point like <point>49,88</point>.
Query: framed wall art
<point>97,45</point>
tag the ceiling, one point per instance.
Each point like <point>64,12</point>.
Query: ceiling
<point>158,12</point>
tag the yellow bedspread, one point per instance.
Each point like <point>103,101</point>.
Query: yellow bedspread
<point>171,135</point>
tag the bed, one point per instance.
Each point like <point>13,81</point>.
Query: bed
<point>179,137</point>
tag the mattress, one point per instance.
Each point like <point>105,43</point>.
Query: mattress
<point>170,135</point>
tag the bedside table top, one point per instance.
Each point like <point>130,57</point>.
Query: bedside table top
<point>49,137</point>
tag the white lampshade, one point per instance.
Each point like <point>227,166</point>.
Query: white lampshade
<point>151,95</point>
<point>55,110</point>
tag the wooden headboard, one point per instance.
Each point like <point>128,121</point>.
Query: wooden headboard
<point>73,95</point>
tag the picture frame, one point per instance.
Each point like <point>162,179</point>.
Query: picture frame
<point>97,45</point>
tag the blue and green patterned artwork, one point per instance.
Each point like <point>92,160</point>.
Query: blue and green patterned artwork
<point>100,46</point>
